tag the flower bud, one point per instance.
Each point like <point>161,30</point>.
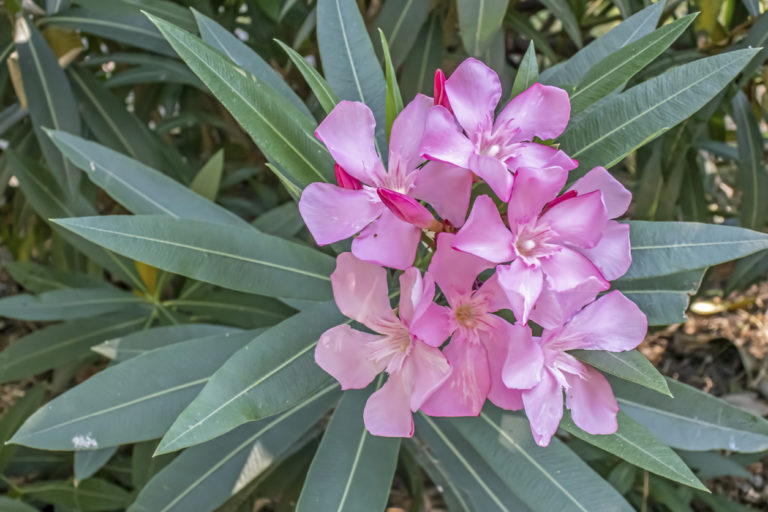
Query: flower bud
<point>441,98</point>
<point>408,209</point>
<point>345,180</point>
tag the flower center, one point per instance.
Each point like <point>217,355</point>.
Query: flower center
<point>496,142</point>
<point>534,241</point>
<point>392,348</point>
<point>470,312</point>
<point>465,316</point>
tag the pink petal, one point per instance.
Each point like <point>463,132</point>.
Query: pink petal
<point>360,291</point>
<point>592,403</point>
<point>555,308</point>
<point>388,241</point>
<point>407,209</point>
<point>495,296</point>
<point>446,188</point>
<point>541,110</point>
<point>405,137</point>
<point>484,234</point>
<point>474,91</point>
<point>344,180</point>
<point>416,294</point>
<point>387,412</point>
<point>344,353</point>
<point>525,359</point>
<point>464,393</point>
<point>612,254</point>
<point>440,97</point>
<point>544,408</point>
<point>612,322</point>
<point>443,139</point>
<point>433,326</point>
<point>579,220</point>
<point>348,133</point>
<point>615,197</point>
<point>333,213</point>
<point>530,154</point>
<point>533,188</point>
<point>494,172</point>
<point>429,369</point>
<point>568,269</point>
<point>454,271</point>
<point>522,285</point>
<point>496,346</point>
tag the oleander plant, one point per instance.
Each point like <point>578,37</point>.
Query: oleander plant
<point>337,255</point>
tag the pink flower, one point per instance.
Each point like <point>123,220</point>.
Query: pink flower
<point>562,249</point>
<point>491,149</point>
<point>613,323</point>
<point>355,358</point>
<point>479,340</point>
<point>387,237</point>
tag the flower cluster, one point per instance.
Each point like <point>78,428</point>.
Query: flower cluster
<point>546,262</point>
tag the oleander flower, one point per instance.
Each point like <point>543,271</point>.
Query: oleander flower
<point>381,205</point>
<point>613,323</point>
<point>493,150</point>
<point>355,358</point>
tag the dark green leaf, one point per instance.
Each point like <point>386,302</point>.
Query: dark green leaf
<point>11,505</point>
<point>527,73</point>
<point>562,11</point>
<point>664,299</point>
<point>420,66</point>
<point>479,21</point>
<point>13,418</point>
<point>68,304</point>
<point>753,177</point>
<point>394,100</point>
<point>400,20</point>
<point>283,221</point>
<point>38,278</point>
<point>208,178</point>
<point>90,495</point>
<point>231,308</point>
<point>320,88</point>
<point>712,465</point>
<point>88,462</point>
<point>631,365</point>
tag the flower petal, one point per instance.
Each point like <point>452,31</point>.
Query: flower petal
<point>612,322</point>
<point>407,209</point>
<point>348,133</point>
<point>473,90</point>
<point>615,197</point>
<point>532,189</point>
<point>433,326</point>
<point>416,294</point>
<point>578,220</point>
<point>544,408</point>
<point>443,139</point>
<point>407,130</point>
<point>446,188</point>
<point>333,213</point>
<point>429,369</point>
<point>454,271</point>
<point>388,241</point>
<point>592,403</point>
<point>343,352</point>
<point>612,254</point>
<point>525,359</point>
<point>522,285</point>
<point>568,269</point>
<point>496,344</point>
<point>494,172</point>
<point>484,234</point>
<point>464,392</point>
<point>360,291</point>
<point>541,110</point>
<point>555,308</point>
<point>530,154</point>
<point>387,412</point>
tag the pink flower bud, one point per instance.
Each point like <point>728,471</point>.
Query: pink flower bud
<point>408,209</point>
<point>440,97</point>
<point>345,180</point>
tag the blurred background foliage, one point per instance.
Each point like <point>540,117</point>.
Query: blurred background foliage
<point>101,70</point>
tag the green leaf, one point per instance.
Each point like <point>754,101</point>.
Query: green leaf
<point>283,221</point>
<point>753,177</point>
<point>631,366</point>
<point>353,469</point>
<point>38,278</point>
<point>551,478</point>
<point>662,248</point>
<point>68,304</point>
<point>122,348</point>
<point>618,67</point>
<point>349,62</point>
<point>10,117</point>
<point>159,70</point>
<point>747,271</point>
<point>62,343</point>
<point>664,299</point>
<point>90,495</point>
<point>51,101</point>
<point>527,73</point>
<point>139,188</point>
<point>231,308</point>
<point>270,374</point>
<point>320,88</point>
<point>88,462</point>
<point>633,443</point>
<point>243,260</point>
<point>13,417</point>
<point>753,7</point>
<point>394,99</point>
<point>693,420</point>
<point>11,505</point>
<point>281,131</point>
<point>208,178</point>
<point>712,465</point>
<point>427,54</point>
<point>561,10</point>
<point>93,415</point>
<point>203,477</point>
<point>144,466</point>
<point>400,20</point>
<point>626,121</point>
<point>448,458</point>
<point>479,21</point>
<point>221,39</point>
<point>573,70</point>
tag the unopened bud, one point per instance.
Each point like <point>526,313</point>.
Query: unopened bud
<point>345,180</point>
<point>409,210</point>
<point>441,98</point>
